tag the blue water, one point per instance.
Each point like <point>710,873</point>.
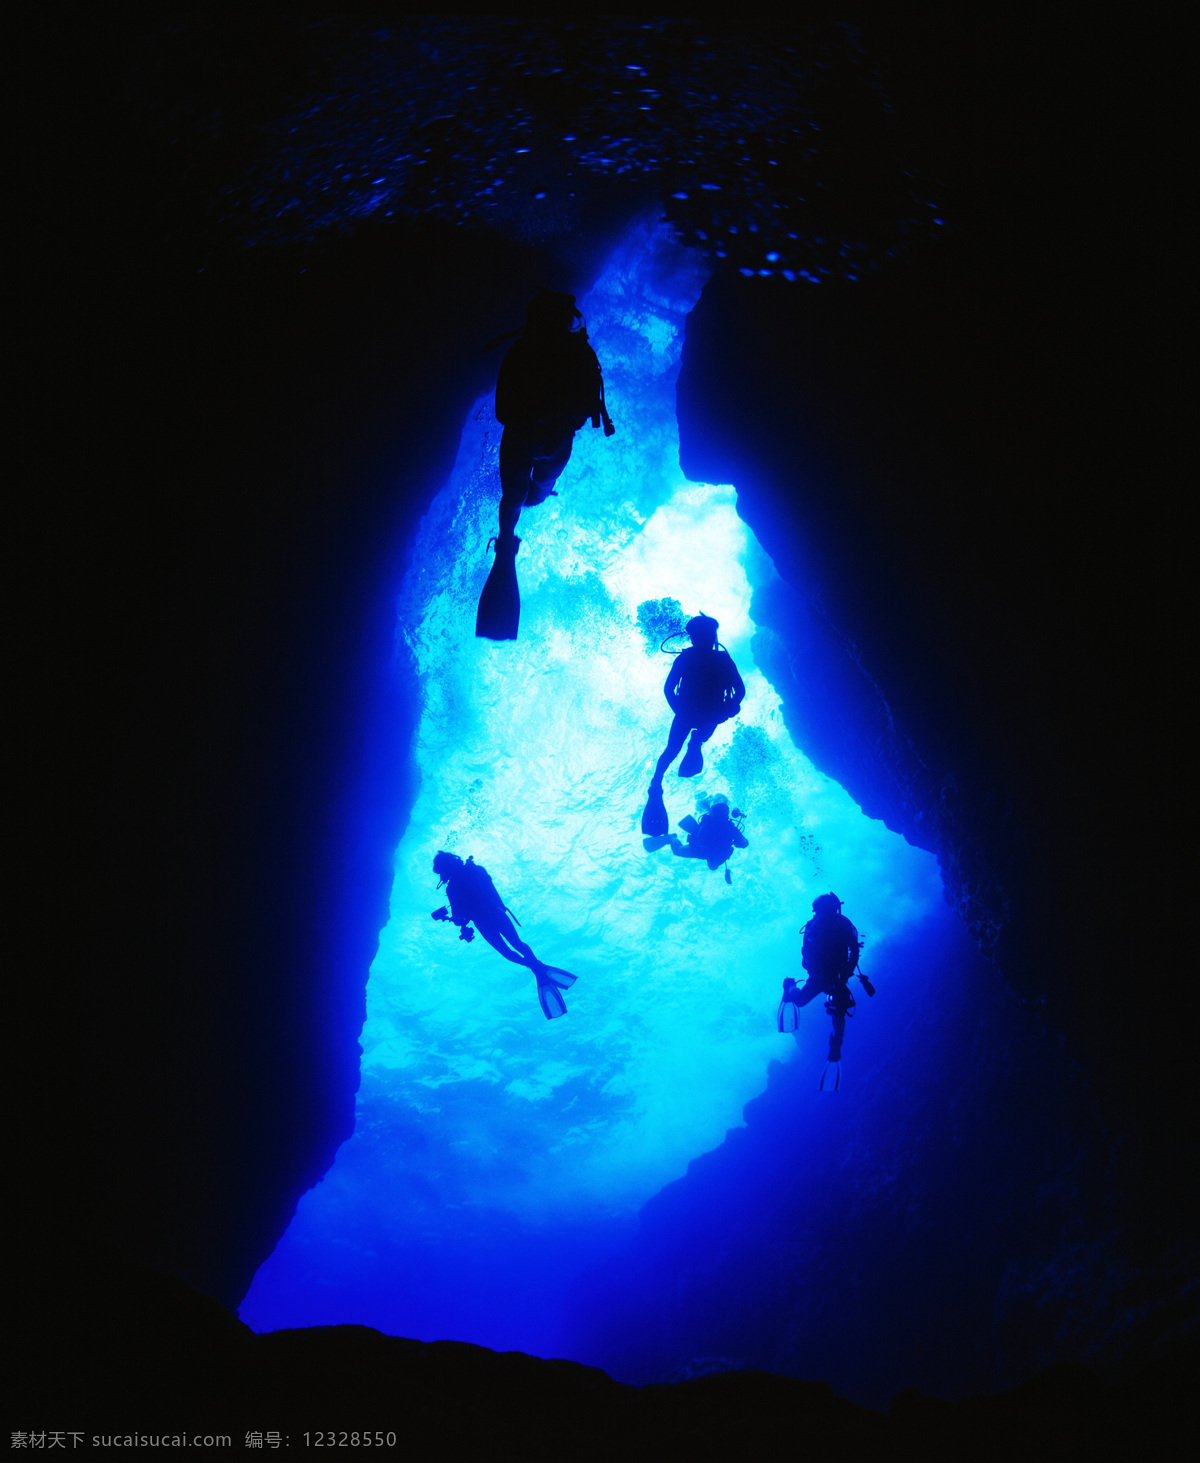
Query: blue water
<point>497,1156</point>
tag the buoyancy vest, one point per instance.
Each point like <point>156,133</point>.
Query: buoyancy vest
<point>472,893</point>
<point>706,683</point>
<point>830,945</point>
<point>549,378</point>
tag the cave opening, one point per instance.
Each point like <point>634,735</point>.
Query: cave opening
<point>499,1162</point>
<point>253,382</point>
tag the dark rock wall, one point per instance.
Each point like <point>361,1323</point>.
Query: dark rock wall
<point>226,460</point>
<point>946,1219</point>
<point>940,463</point>
<point>955,468</point>
<point>948,465</point>
<point>110,1354</point>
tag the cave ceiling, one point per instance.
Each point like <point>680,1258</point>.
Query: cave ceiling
<point>776,149</point>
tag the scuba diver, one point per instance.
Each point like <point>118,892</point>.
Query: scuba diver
<point>473,897</point>
<point>713,838</point>
<point>830,956</point>
<point>703,689</point>
<point>550,383</point>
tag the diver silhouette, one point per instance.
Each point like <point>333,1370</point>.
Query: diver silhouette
<point>474,898</point>
<point>703,689</point>
<point>550,383</point>
<point>830,956</point>
<point>713,838</point>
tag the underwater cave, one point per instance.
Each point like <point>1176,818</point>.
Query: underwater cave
<point>496,1159</point>
<point>500,1185</point>
<point>844,304</point>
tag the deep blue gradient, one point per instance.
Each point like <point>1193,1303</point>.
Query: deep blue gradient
<point>498,1158</point>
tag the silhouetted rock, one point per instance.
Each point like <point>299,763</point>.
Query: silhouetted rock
<point>979,634</point>
<point>105,1347</point>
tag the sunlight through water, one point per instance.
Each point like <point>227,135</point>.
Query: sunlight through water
<point>477,1117</point>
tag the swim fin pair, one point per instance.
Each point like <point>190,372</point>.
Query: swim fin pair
<point>499,614</point>
<point>551,982</point>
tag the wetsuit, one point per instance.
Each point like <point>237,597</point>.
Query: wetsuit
<point>703,689</point>
<point>474,899</point>
<point>714,838</point>
<point>829,954</point>
<point>549,385</point>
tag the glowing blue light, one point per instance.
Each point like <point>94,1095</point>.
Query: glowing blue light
<point>496,1154</point>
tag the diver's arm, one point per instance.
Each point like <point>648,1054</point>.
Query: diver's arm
<point>503,406</point>
<point>487,895</point>
<point>738,686</point>
<point>516,387</point>
<point>462,922</point>
<point>855,951</point>
<point>673,682</point>
<point>457,916</point>
<point>595,387</point>
<point>740,840</point>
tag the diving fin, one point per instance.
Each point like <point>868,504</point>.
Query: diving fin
<point>551,998</point>
<point>551,982</point>
<point>562,978</point>
<point>499,612</point>
<point>654,820</point>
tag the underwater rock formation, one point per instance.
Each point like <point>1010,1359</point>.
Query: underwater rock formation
<point>232,451</point>
<point>120,1352</point>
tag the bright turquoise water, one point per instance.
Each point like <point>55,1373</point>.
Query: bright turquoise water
<point>497,1154</point>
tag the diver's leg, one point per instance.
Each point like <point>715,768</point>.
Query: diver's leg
<point>693,761</point>
<point>516,464</point>
<point>506,931</point>
<point>497,936</point>
<point>837,1036</point>
<point>546,471</point>
<point>810,990</point>
<point>675,740</point>
<point>702,733</point>
<point>840,992</point>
